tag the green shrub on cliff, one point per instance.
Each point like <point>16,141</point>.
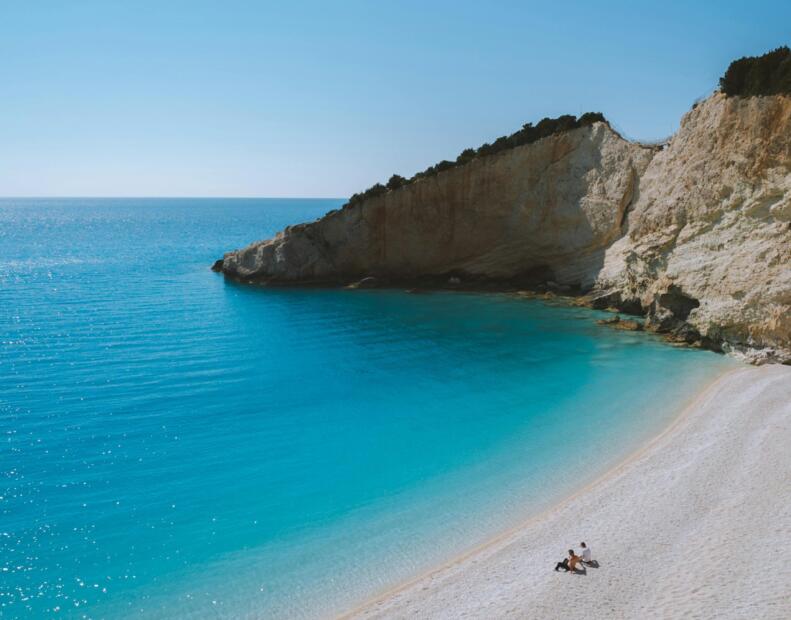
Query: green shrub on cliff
<point>529,133</point>
<point>769,74</point>
<point>465,156</point>
<point>375,190</point>
<point>396,181</point>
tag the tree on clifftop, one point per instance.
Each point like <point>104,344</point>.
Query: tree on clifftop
<point>769,74</point>
<point>396,181</point>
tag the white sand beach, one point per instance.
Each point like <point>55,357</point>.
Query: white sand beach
<point>697,524</point>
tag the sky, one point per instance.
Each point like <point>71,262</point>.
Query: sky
<point>323,99</point>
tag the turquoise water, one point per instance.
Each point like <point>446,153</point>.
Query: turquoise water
<point>178,446</point>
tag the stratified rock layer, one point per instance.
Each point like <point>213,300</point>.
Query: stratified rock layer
<point>696,235</point>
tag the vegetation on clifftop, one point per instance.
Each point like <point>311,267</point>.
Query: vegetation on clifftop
<point>529,133</point>
<point>769,74</point>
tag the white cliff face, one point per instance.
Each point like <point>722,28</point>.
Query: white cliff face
<point>696,235</point>
<point>709,236</point>
<point>553,206</point>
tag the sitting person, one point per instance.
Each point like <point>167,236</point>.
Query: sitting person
<point>587,558</point>
<point>573,561</point>
<point>586,554</point>
<point>569,564</point>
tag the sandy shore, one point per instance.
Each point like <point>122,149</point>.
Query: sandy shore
<point>695,525</point>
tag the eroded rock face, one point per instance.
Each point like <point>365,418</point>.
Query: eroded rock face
<point>697,236</point>
<point>709,236</point>
<point>551,207</point>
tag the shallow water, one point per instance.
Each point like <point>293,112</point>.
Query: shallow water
<point>176,445</point>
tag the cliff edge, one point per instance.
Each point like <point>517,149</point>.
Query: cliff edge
<point>539,211</point>
<point>696,235</point>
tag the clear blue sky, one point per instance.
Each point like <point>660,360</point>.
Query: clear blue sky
<point>299,98</point>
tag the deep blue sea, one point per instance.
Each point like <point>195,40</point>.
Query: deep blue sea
<point>178,446</point>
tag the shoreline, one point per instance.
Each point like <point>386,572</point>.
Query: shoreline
<point>677,332</point>
<point>680,334</point>
<point>430,595</point>
<point>585,486</point>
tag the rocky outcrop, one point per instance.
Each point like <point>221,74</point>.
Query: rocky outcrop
<point>696,235</point>
<point>707,253</point>
<point>543,211</point>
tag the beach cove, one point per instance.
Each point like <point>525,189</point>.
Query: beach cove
<point>180,445</point>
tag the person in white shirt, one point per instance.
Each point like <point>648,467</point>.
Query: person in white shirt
<point>586,554</point>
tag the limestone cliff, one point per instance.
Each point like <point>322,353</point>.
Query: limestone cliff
<point>696,235</point>
<point>708,247</point>
<point>549,207</point>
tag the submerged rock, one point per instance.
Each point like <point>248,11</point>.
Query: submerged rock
<point>617,322</point>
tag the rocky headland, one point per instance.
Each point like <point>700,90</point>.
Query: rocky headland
<point>694,234</point>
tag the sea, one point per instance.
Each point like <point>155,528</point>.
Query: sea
<point>175,445</point>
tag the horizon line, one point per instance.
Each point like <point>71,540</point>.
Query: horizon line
<point>150,197</point>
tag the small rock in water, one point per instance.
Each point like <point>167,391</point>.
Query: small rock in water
<point>630,326</point>
<point>367,282</point>
<point>625,324</point>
